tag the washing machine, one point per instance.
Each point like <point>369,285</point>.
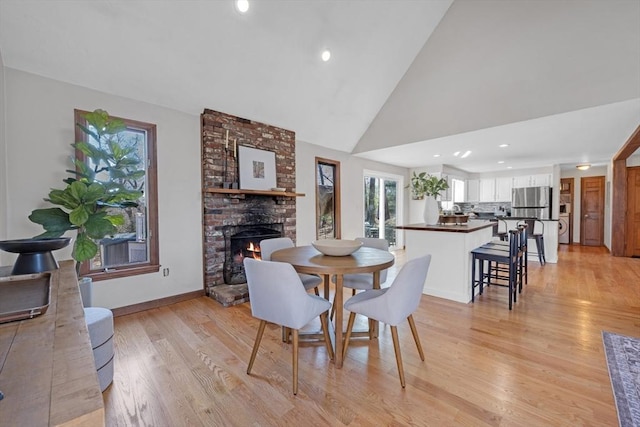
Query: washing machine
<point>563,228</point>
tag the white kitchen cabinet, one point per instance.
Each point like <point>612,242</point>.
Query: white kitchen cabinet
<point>541,180</point>
<point>503,189</point>
<point>473,190</point>
<point>536,180</point>
<point>487,190</point>
<point>521,181</point>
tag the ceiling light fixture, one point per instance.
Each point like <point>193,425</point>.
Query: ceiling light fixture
<point>584,166</point>
<point>326,55</point>
<point>436,155</point>
<point>242,5</point>
<point>457,153</point>
<point>503,145</point>
<point>500,162</point>
<point>466,154</point>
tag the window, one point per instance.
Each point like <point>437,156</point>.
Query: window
<point>457,194</point>
<point>327,199</point>
<point>134,249</point>
<point>381,207</point>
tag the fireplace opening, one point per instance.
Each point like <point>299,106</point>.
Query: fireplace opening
<point>244,241</point>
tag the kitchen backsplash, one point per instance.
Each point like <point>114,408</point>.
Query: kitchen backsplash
<point>485,206</point>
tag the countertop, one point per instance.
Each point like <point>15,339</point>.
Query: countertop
<point>513,218</point>
<point>473,225</point>
<point>47,372</point>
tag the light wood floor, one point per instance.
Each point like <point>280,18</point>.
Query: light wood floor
<point>541,364</point>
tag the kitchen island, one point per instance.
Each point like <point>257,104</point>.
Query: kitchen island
<point>450,247</point>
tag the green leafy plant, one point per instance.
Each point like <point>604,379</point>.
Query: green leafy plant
<point>425,184</point>
<point>107,178</point>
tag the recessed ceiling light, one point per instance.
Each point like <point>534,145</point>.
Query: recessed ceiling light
<point>503,145</point>
<point>242,5</point>
<point>436,155</point>
<point>326,55</point>
<point>466,154</point>
<point>457,153</point>
<point>500,161</point>
<point>509,167</point>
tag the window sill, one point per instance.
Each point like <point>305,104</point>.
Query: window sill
<point>114,273</point>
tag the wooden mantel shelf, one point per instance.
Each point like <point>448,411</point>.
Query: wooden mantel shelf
<point>254,192</point>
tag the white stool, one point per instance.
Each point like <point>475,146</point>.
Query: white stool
<point>100,324</point>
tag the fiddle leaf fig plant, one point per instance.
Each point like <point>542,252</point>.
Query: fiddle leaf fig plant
<point>107,178</point>
<point>426,184</point>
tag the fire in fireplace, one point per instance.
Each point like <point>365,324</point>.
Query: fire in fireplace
<point>244,241</point>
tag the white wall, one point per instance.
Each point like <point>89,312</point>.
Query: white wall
<point>576,175</point>
<point>351,187</point>
<point>39,130</point>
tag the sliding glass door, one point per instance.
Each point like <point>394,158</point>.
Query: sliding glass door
<point>382,207</point>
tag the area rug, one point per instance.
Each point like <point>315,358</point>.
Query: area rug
<point>623,361</point>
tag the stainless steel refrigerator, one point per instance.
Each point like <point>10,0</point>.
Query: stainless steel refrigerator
<point>531,202</point>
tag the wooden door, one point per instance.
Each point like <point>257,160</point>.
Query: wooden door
<point>633,212</point>
<point>592,211</point>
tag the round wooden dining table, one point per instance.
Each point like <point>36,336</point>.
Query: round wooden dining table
<point>307,259</point>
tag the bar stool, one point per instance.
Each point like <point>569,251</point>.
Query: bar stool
<point>503,234</point>
<point>539,237</point>
<point>497,255</point>
<point>522,255</point>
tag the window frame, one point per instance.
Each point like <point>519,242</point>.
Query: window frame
<point>336,196</point>
<point>151,199</point>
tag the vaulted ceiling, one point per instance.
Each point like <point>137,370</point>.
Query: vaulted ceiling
<point>559,81</point>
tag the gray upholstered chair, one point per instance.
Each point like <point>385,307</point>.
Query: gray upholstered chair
<point>269,246</point>
<point>277,296</point>
<point>392,305</point>
<point>364,281</point>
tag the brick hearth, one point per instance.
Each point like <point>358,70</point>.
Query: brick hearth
<point>222,210</point>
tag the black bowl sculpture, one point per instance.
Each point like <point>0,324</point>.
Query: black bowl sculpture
<point>34,254</point>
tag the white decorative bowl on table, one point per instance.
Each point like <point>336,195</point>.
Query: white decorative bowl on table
<point>336,247</point>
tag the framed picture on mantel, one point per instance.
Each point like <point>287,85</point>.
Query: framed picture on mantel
<point>257,168</point>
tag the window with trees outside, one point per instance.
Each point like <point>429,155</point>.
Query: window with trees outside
<point>327,199</point>
<point>132,163</point>
<point>381,210</point>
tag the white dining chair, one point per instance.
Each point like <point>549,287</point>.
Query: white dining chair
<point>392,305</point>
<point>364,281</point>
<point>277,296</point>
<point>269,246</point>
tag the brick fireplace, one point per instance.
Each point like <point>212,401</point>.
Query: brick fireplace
<point>226,214</point>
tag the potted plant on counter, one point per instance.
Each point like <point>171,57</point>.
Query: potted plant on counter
<point>107,178</point>
<point>424,184</point>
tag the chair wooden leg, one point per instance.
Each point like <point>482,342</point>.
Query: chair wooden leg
<point>263,323</point>
<point>295,360</point>
<point>325,332</point>
<point>396,347</point>
<point>347,337</point>
<point>416,338</point>
<point>333,305</point>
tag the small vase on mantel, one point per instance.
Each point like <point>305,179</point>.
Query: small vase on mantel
<point>431,211</point>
